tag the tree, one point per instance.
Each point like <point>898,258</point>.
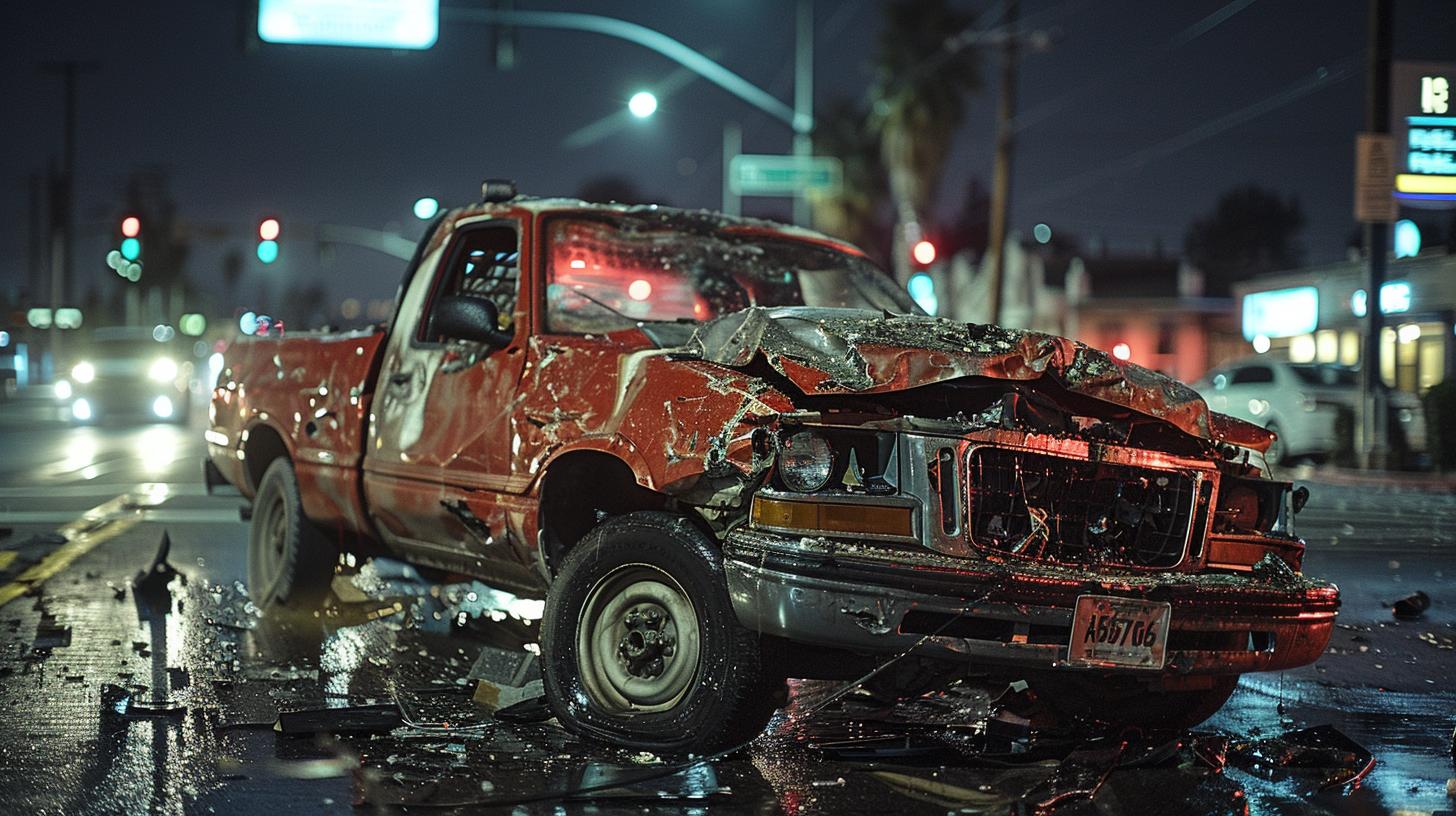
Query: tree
<point>918,102</point>
<point>1251,231</point>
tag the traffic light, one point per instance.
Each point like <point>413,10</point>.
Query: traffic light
<point>131,238</point>
<point>268,231</point>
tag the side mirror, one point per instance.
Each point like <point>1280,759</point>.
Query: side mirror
<point>1299,499</point>
<point>476,319</point>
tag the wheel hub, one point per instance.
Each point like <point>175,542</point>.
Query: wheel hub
<point>650,639</point>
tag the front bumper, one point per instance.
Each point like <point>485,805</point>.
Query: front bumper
<point>876,599</point>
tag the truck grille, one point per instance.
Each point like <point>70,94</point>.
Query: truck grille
<point>1075,511</point>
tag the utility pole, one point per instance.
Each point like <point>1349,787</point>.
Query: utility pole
<point>803,99</point>
<point>1001,173</point>
<point>62,191</point>
<point>1377,120</point>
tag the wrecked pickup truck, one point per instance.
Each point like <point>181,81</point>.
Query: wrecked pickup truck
<point>728,451</point>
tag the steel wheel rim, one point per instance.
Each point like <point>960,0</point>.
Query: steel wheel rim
<point>267,550</point>
<point>638,642</point>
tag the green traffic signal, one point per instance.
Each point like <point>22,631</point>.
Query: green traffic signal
<point>131,249</point>
<point>267,251</point>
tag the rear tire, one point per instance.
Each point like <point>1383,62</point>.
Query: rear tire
<point>641,647</point>
<point>290,564</point>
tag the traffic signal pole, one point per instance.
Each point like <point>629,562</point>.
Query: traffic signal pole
<point>62,191</point>
<point>1374,450</point>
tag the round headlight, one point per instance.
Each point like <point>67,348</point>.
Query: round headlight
<point>805,462</point>
<point>163,370</point>
<point>83,373</point>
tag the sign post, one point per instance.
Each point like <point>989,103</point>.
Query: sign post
<point>1374,173</point>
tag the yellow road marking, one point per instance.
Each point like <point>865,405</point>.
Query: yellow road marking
<point>7,557</point>
<point>95,527</point>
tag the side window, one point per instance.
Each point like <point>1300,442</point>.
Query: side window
<point>483,263</point>
<point>1249,375</point>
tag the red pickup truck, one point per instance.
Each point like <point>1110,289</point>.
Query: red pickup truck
<point>727,451</point>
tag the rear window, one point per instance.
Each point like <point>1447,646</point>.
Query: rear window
<point>1325,374</point>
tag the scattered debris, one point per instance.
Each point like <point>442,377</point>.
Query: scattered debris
<point>1411,607</point>
<point>1322,755</point>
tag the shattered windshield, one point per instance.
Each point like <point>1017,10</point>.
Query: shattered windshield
<point>608,272</point>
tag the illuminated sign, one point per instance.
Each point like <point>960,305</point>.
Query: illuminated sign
<point>1395,297</point>
<point>413,24</point>
<point>1424,128</point>
<point>1281,312</point>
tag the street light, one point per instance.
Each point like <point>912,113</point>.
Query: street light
<point>642,104</point>
<point>425,208</point>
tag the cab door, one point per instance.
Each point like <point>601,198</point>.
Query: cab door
<point>439,455</point>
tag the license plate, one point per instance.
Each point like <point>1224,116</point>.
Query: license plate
<point>1119,633</point>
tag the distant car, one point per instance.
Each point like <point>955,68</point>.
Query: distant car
<point>1302,403</point>
<point>126,372</point>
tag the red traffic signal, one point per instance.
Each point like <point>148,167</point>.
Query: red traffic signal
<point>268,229</point>
<point>923,252</point>
<point>131,226</point>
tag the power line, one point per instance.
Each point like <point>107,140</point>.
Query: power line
<point>1083,92</point>
<point>1322,78</point>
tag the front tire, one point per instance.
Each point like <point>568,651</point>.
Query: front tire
<point>289,563</point>
<point>641,647</point>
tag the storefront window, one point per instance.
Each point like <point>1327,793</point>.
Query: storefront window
<point>1327,346</point>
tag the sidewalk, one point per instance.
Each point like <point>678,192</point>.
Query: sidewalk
<point>1428,481</point>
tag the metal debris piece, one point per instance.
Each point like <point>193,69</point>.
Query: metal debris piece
<point>149,587</point>
<point>368,719</point>
<point>1411,607</point>
<point>51,635</point>
<point>532,710</point>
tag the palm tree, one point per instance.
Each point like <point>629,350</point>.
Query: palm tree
<point>922,76</point>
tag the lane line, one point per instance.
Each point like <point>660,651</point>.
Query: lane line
<point>99,490</point>
<point>94,528</point>
<point>7,557</point>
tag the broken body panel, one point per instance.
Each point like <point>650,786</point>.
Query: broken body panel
<point>982,479</point>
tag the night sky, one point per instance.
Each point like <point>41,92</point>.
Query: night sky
<point>353,136</point>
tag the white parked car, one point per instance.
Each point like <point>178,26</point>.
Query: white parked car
<point>1302,403</point>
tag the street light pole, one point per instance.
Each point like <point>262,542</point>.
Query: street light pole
<point>1001,172</point>
<point>803,99</point>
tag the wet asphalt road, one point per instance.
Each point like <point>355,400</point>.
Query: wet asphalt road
<point>206,678</point>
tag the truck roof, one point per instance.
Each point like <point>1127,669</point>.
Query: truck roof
<point>700,219</point>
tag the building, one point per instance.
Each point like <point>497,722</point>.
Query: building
<point>1317,314</point>
<point>1147,309</point>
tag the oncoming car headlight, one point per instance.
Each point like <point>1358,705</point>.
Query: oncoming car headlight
<point>83,372</point>
<point>163,370</point>
<point>805,462</point>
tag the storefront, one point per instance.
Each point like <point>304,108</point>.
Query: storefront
<point>1317,314</point>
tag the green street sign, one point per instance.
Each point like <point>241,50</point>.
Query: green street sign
<point>752,174</point>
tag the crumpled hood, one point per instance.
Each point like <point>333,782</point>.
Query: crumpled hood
<point>849,351</point>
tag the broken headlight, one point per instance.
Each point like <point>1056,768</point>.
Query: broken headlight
<point>805,462</point>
